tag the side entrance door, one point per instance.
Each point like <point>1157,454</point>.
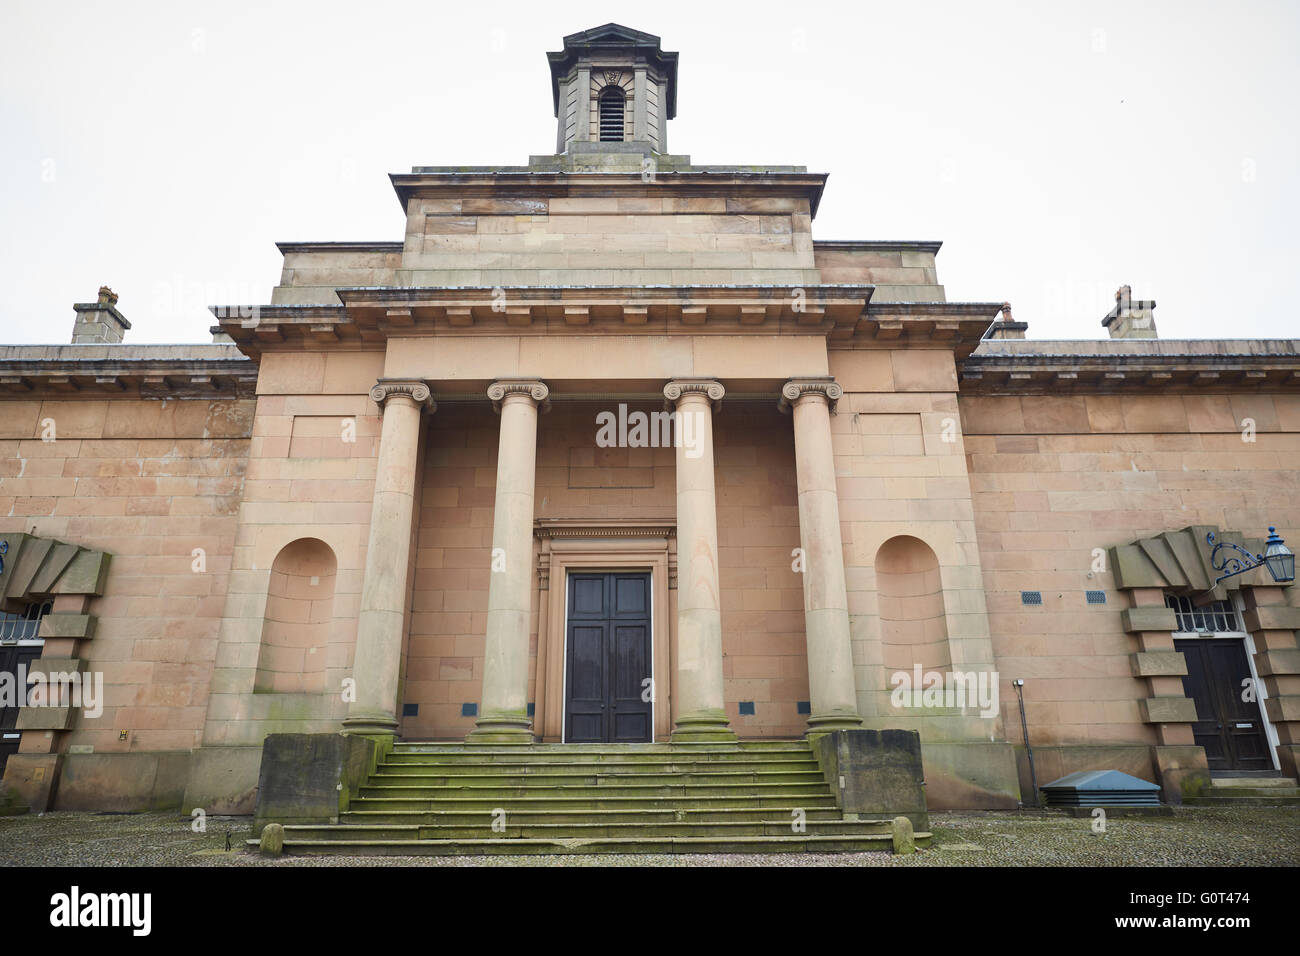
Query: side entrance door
<point>11,655</point>
<point>607,658</point>
<point>1229,726</point>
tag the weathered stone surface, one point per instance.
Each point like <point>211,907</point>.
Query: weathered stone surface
<point>876,774</point>
<point>1159,664</point>
<point>272,840</point>
<point>1148,619</point>
<point>1168,710</point>
<point>309,778</point>
<point>904,836</point>
<point>223,780</point>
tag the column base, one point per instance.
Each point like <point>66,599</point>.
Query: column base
<point>834,720</point>
<point>370,725</point>
<point>707,727</point>
<point>501,729</point>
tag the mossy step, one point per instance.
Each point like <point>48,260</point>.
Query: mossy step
<point>598,779</point>
<point>748,746</point>
<point>529,772</point>
<point>802,843</point>
<point>524,757</point>
<point>1266,799</point>
<point>653,762</point>
<point>791,790</point>
<point>570,831</point>
<point>589,804</point>
<point>484,818</point>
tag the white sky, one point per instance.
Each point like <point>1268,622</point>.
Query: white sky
<point>1058,149</point>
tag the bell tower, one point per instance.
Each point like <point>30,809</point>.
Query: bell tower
<point>613,85</point>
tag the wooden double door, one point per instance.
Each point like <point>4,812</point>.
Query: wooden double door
<point>11,656</point>
<point>608,687</point>
<point>1229,725</point>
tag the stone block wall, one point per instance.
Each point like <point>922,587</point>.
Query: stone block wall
<point>149,482</point>
<point>1054,478</point>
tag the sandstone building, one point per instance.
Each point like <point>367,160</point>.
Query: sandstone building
<point>431,491</point>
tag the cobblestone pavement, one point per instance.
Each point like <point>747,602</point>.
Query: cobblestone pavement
<point>1250,836</point>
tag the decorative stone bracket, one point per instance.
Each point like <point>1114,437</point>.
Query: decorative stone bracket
<point>40,569</point>
<point>1179,562</point>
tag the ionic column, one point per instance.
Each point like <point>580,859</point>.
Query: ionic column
<point>698,689</point>
<point>833,695</point>
<point>377,663</point>
<point>503,716</point>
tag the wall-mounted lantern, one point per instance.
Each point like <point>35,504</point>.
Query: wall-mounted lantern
<point>1277,557</point>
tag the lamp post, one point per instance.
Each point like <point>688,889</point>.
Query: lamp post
<point>1277,557</point>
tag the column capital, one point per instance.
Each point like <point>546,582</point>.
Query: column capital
<point>711,388</point>
<point>796,389</point>
<point>536,390</point>
<point>413,388</point>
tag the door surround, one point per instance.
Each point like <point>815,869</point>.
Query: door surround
<point>1248,645</point>
<point>610,544</point>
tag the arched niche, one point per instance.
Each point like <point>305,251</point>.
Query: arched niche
<point>913,626</point>
<point>299,619</point>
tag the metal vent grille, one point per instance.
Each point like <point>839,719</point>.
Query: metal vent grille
<point>1033,598</point>
<point>612,105</point>
<point>1096,597</point>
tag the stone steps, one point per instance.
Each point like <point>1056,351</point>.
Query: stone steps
<point>1248,792</point>
<point>650,845</point>
<point>605,788</point>
<point>483,818</point>
<point>482,830</point>
<point>731,770</point>
<point>443,799</point>
<point>1244,797</point>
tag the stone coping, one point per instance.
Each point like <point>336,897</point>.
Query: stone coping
<point>1004,365</point>
<point>127,371</point>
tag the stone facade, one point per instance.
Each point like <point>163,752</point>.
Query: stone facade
<point>359,514</point>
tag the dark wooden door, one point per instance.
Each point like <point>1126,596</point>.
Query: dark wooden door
<point>1229,725</point>
<point>10,657</point>
<point>607,659</point>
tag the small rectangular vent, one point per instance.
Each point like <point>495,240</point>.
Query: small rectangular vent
<point>803,707</point>
<point>469,710</point>
<point>1096,597</point>
<point>410,710</point>
<point>1031,598</point>
<point>532,709</point>
<point>746,708</point>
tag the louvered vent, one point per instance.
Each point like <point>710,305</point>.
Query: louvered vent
<point>1101,788</point>
<point>612,104</point>
<point>1096,597</point>
<point>1034,598</point>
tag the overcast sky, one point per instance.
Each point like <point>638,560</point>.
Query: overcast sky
<point>1058,149</point>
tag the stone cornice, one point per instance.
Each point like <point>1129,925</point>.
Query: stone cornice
<point>797,388</point>
<point>605,528</point>
<point>1112,367</point>
<point>843,313</point>
<point>876,245</point>
<point>49,373</point>
<point>308,247</point>
<point>413,388</point>
<point>529,183</point>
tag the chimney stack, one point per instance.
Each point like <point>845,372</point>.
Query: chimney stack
<point>99,323</point>
<point>1130,319</point>
<point>1006,327</point>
